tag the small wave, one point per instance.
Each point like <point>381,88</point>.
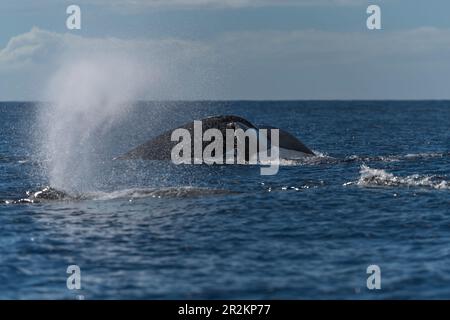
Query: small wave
<point>380,177</point>
<point>323,158</point>
<point>318,158</point>
<point>177,192</point>
<point>311,185</point>
<point>396,158</point>
<point>45,194</point>
<point>427,155</point>
<point>49,194</point>
<point>11,159</point>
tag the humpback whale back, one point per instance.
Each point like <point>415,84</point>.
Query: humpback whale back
<point>288,141</point>
<point>160,147</point>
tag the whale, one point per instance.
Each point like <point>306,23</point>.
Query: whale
<point>161,146</point>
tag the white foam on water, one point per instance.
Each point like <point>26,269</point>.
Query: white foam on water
<point>318,158</point>
<point>379,177</point>
<point>397,158</point>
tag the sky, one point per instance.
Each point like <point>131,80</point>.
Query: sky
<point>232,49</point>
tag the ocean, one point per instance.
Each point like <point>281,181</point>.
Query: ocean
<point>377,193</point>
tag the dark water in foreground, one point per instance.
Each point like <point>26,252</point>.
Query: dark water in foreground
<point>379,193</point>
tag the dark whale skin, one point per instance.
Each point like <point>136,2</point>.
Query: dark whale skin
<point>160,147</point>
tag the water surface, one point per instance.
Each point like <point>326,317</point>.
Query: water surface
<point>377,193</point>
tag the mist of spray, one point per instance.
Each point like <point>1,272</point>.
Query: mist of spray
<point>85,97</point>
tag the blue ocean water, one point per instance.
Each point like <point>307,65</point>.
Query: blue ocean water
<point>377,193</point>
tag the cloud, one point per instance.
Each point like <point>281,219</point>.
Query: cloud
<point>260,64</point>
<point>40,45</point>
<point>310,64</point>
<point>299,46</point>
<point>26,48</point>
<point>309,46</point>
<point>226,3</point>
<point>39,53</point>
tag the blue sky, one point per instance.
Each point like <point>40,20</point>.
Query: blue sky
<point>236,49</point>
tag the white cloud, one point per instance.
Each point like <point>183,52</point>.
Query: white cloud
<point>38,54</point>
<point>337,47</point>
<point>264,64</point>
<point>25,48</point>
<point>40,45</point>
<point>310,64</point>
